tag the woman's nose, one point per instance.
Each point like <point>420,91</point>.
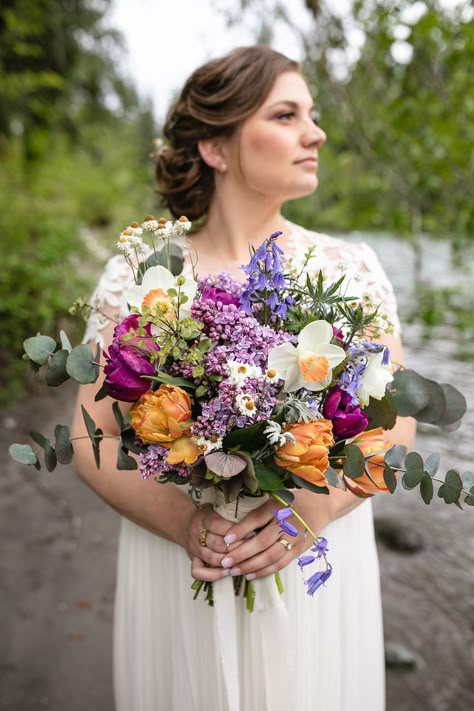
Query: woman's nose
<point>314,136</point>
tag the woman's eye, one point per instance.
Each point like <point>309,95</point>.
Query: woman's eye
<point>316,118</point>
<point>286,116</point>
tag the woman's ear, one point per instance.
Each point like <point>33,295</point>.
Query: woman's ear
<point>213,153</point>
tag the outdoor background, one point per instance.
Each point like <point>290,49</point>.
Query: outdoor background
<point>84,88</point>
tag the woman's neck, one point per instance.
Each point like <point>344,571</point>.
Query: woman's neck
<point>233,224</point>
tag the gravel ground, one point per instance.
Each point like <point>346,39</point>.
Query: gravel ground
<point>58,565</point>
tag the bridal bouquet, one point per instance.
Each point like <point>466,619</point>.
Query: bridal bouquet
<point>241,391</point>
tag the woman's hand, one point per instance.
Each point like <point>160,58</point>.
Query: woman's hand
<point>206,560</point>
<point>264,553</point>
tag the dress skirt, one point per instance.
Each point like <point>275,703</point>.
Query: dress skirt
<point>167,656</point>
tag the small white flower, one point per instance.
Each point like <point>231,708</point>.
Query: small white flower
<point>245,404</point>
<point>135,231</point>
<point>150,225</point>
<point>239,372</point>
<point>207,445</point>
<point>271,375</point>
<point>181,227</point>
<point>164,231</point>
<point>374,379</point>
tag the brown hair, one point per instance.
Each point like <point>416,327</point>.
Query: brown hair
<point>216,99</point>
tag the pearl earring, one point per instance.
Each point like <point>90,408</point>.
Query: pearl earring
<point>223,168</point>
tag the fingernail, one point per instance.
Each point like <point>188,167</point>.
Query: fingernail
<point>225,572</point>
<point>227,562</point>
<point>250,535</point>
<point>231,538</point>
<point>236,571</point>
<point>250,576</point>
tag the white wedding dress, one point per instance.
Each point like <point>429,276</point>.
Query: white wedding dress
<point>169,654</point>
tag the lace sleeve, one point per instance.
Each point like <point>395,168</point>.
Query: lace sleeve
<point>365,277</point>
<point>108,295</point>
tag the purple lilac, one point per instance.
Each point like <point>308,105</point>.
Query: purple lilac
<point>153,463</point>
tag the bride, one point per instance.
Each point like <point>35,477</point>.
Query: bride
<point>242,140</point>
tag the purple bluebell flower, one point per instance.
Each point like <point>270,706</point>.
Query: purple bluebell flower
<point>320,547</point>
<point>317,579</point>
<point>281,515</point>
<point>305,560</point>
<point>266,281</point>
<point>348,420</point>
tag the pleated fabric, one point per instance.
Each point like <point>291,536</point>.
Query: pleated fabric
<point>166,651</point>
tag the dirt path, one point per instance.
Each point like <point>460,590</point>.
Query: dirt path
<point>57,577</point>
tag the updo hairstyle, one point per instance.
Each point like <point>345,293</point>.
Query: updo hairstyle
<point>216,99</point>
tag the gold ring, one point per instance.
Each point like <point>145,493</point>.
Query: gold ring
<point>285,543</point>
<point>203,537</point>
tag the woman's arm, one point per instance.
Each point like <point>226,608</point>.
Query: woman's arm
<point>164,509</point>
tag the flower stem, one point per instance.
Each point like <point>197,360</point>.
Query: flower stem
<point>296,515</point>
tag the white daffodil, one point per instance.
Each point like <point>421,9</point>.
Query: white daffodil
<point>374,379</point>
<point>308,365</point>
<point>153,293</point>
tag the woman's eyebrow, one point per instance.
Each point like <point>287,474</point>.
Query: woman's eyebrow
<point>289,102</point>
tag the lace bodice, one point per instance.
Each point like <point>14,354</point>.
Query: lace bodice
<point>365,277</point>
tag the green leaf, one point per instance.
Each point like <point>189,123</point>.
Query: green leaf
<point>268,480</point>
<point>128,439</point>
<point>39,348</point>
<point>118,416</point>
<point>450,491</point>
<point>395,456</point>
<point>414,461</point>
<point>303,484</point>
<point>467,480</point>
<point>63,444</point>
<point>455,405</point>
<point>50,460</point>
<point>432,464</point>
<point>287,496</point>
<point>22,453</point>
<point>469,499</point>
<point>124,460</point>
<point>411,392</point>
<point>389,478</point>
<point>244,435</point>
<point>434,411</point>
<point>81,366</point>
<point>333,477</point>
<point>56,373</point>
<point>89,423</point>
<point>102,392</point>
<point>65,342</point>
<point>426,488</point>
<point>382,413</point>
<point>354,466</point>
<point>414,470</point>
<point>170,380</point>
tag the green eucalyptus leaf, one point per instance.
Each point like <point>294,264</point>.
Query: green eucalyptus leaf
<point>469,499</point>
<point>411,392</point>
<point>65,342</point>
<point>124,460</point>
<point>455,405</point>
<point>89,423</point>
<point>287,496</point>
<point>389,478</point>
<point>432,464</point>
<point>414,461</point>
<point>426,488</point>
<point>395,456</point>
<point>56,373</point>
<point>303,484</point>
<point>117,412</point>
<point>39,348</point>
<point>63,444</point>
<point>333,478</point>
<point>81,366</point>
<point>382,413</point>
<point>467,480</point>
<point>102,392</point>
<point>244,435</point>
<point>436,407</point>
<point>50,460</point>
<point>23,454</point>
<point>354,466</point>
<point>450,491</point>
<point>128,441</point>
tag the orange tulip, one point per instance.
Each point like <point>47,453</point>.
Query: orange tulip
<point>368,442</point>
<point>308,456</point>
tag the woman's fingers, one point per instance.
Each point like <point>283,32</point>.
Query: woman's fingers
<point>252,547</point>
<point>200,571</point>
<point>255,519</point>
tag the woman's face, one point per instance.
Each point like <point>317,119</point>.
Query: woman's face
<point>275,151</point>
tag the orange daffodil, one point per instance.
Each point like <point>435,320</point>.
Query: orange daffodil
<point>309,364</point>
<point>153,293</point>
